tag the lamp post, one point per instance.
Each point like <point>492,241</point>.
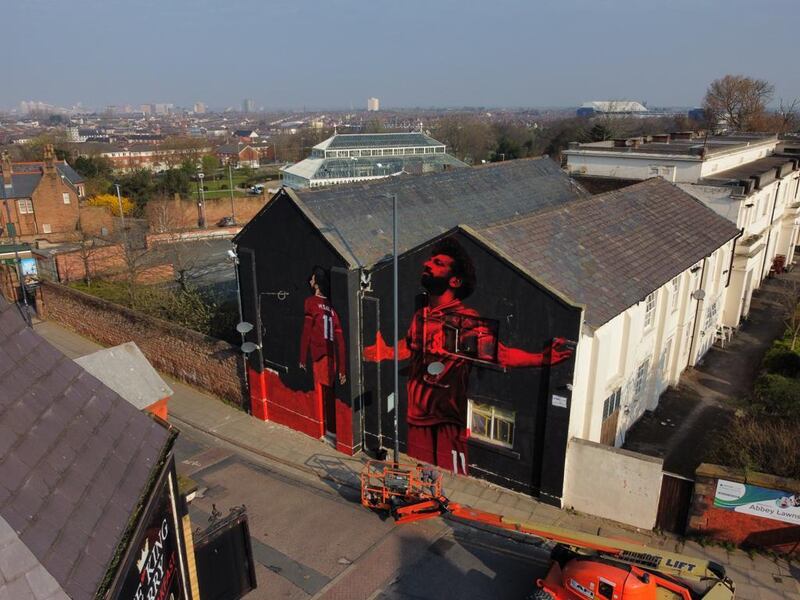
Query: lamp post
<point>202,202</point>
<point>395,337</point>
<point>230,183</point>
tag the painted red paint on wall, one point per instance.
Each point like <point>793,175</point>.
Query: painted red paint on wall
<point>344,428</point>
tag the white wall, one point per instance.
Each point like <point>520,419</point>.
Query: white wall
<point>612,483</point>
<point>629,166</point>
<point>682,329</point>
<point>716,164</point>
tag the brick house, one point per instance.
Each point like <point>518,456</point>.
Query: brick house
<point>41,198</point>
<point>238,155</point>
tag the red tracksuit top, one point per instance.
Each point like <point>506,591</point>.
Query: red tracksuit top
<point>322,333</point>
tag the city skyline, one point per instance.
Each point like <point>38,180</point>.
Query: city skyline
<point>444,54</point>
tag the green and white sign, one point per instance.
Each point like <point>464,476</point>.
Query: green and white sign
<point>761,502</point>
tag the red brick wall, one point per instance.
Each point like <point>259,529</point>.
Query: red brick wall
<point>105,261</point>
<point>182,214</point>
<point>202,361</point>
<point>706,520</point>
<point>49,208</point>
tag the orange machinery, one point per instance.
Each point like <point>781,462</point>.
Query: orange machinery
<point>583,567</point>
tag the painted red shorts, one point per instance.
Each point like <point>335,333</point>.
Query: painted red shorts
<point>443,445</point>
<point>324,372</point>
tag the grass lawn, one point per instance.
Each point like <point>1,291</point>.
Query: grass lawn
<point>219,188</point>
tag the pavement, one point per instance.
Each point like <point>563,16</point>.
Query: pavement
<point>757,576</point>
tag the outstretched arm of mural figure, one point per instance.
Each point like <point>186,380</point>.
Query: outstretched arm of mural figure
<point>553,354</point>
<point>380,350</point>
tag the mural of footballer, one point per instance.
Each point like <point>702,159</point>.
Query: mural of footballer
<point>322,336</point>
<point>437,403</point>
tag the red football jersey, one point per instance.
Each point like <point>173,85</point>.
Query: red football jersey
<point>322,333</point>
<point>442,398</point>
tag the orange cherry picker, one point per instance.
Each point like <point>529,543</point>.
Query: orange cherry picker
<point>583,567</point>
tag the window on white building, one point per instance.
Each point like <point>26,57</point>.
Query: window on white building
<point>641,379</point>
<point>491,424</point>
<point>711,317</point>
<point>65,197</point>
<point>676,286</point>
<point>650,310</point>
<point>611,404</point>
<point>25,206</point>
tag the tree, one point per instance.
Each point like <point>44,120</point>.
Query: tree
<point>174,181</point>
<point>210,165</point>
<point>93,166</point>
<point>737,101</point>
<point>138,186</point>
<point>467,138</point>
<point>166,214</point>
<point>788,116</point>
<point>111,202</point>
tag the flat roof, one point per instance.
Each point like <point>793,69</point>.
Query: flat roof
<point>751,169</point>
<point>714,145</point>
<point>351,141</point>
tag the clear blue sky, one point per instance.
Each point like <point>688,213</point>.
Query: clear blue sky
<point>331,53</point>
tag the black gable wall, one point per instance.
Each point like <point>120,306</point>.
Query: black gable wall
<point>277,252</point>
<point>528,317</point>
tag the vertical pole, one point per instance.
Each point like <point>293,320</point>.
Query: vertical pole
<point>396,340</point>
<point>122,217</point>
<point>121,212</point>
<point>230,181</point>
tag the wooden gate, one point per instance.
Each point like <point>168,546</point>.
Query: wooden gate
<point>674,502</point>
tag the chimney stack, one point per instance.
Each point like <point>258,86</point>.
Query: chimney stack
<point>49,159</point>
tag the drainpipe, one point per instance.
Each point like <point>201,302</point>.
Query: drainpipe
<point>733,255</point>
<point>697,311</point>
<point>769,233</point>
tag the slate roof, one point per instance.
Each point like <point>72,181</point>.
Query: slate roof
<point>357,218</point>
<point>23,185</point>
<point>26,177</point>
<point>610,251</point>
<point>75,459</point>
<point>22,577</point>
<point>63,167</point>
<point>231,148</point>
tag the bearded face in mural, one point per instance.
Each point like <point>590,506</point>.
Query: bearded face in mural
<point>445,340</point>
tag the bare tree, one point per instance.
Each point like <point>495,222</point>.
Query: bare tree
<point>788,116</point>
<point>738,101</point>
<point>165,214</point>
<point>88,246</point>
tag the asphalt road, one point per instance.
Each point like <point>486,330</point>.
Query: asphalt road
<point>312,539</point>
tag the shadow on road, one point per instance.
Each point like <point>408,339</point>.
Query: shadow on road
<point>341,474</point>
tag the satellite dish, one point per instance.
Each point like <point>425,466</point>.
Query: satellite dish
<point>435,368</point>
<point>249,347</point>
<point>699,294</point>
<point>244,327</point>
